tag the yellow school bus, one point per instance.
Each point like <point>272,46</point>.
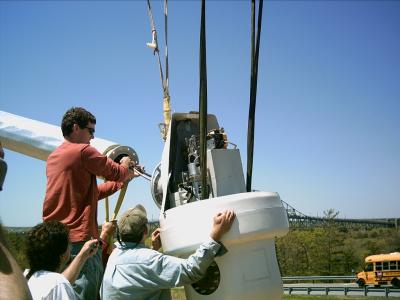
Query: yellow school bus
<point>380,269</point>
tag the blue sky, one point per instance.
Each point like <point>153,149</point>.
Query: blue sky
<point>328,104</point>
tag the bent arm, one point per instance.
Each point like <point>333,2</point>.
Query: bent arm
<point>108,188</point>
<point>74,268</point>
<point>177,272</point>
<point>101,165</point>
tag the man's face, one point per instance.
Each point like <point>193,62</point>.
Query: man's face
<point>84,135</point>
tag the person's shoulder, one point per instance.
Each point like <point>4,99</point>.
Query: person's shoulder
<point>88,150</point>
<point>67,146</point>
<point>50,285</point>
<point>52,278</point>
<point>84,149</point>
<point>139,254</point>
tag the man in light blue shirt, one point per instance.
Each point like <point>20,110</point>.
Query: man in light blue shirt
<point>136,272</point>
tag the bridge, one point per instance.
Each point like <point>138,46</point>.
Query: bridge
<point>299,220</point>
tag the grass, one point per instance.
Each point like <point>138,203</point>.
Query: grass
<point>308,297</point>
<point>179,294</point>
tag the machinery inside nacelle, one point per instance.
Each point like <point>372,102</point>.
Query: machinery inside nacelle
<point>183,159</point>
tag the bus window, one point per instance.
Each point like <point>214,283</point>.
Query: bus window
<point>368,268</point>
<point>393,265</point>
<point>378,266</point>
<point>385,265</point>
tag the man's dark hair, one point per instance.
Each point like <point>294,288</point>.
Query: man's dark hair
<point>134,236</point>
<point>76,115</point>
<point>45,244</point>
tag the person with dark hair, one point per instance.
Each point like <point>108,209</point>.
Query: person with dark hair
<point>136,272</point>
<point>48,251</point>
<point>72,191</point>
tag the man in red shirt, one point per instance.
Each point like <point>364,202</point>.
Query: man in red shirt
<point>72,191</point>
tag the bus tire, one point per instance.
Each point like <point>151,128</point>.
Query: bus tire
<point>360,282</point>
<point>395,282</point>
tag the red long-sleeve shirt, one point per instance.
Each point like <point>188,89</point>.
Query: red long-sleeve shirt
<point>72,192</point>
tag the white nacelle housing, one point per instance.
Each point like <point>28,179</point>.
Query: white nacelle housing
<point>249,270</point>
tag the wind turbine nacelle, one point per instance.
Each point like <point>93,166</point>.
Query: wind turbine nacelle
<point>250,269</point>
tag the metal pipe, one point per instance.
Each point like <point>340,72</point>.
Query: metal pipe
<point>38,139</point>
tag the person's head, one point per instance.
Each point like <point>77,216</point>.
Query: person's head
<point>3,172</point>
<point>1,151</point>
<point>47,247</point>
<point>3,167</point>
<point>78,125</point>
<point>132,225</point>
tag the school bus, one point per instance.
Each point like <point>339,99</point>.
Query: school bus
<point>380,269</point>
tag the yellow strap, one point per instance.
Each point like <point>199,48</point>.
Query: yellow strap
<point>167,116</point>
<point>107,210</point>
<point>119,201</point>
<point>107,207</point>
<point>110,239</point>
<point>116,210</point>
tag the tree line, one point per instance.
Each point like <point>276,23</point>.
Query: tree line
<point>332,249</point>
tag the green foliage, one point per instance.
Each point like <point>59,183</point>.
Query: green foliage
<point>332,249</point>
<point>16,244</point>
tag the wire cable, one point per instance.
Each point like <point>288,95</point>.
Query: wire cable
<point>203,103</point>
<point>255,49</point>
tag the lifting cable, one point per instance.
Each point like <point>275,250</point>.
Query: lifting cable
<point>253,89</point>
<point>164,83</point>
<point>203,103</point>
<point>166,106</point>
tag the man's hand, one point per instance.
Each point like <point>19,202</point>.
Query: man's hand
<point>137,169</point>
<point>127,162</point>
<point>130,165</point>
<point>155,239</point>
<point>107,230</point>
<point>89,248</point>
<point>222,223</point>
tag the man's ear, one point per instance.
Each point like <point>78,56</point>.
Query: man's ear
<point>64,259</point>
<point>146,230</point>
<point>75,127</point>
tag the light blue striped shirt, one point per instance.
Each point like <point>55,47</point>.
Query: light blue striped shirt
<point>136,272</point>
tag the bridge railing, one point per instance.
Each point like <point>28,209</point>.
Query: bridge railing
<point>388,291</point>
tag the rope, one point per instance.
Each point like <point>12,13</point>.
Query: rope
<point>164,83</point>
<point>166,100</point>
<point>255,48</point>
<point>166,47</point>
<point>203,103</point>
